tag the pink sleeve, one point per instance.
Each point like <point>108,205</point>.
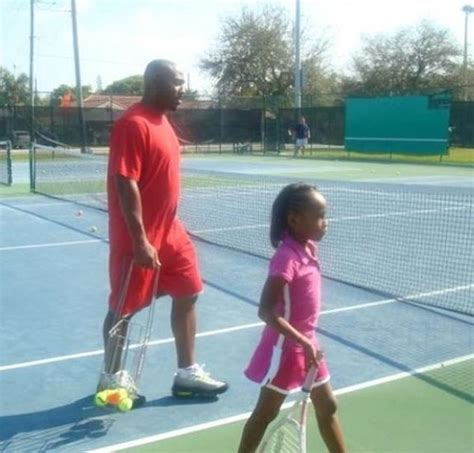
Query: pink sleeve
<point>282,265</point>
<point>127,150</point>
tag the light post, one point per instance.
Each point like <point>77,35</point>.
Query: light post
<point>297,58</point>
<point>467,9</point>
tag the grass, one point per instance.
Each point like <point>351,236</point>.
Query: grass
<point>72,187</point>
<point>14,190</point>
<point>456,156</point>
<point>23,156</point>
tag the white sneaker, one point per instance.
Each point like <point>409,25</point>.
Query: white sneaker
<point>196,382</point>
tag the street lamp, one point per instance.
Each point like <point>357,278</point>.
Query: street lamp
<point>467,9</point>
<point>297,58</point>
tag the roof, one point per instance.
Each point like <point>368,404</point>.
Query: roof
<point>104,101</point>
<point>121,102</point>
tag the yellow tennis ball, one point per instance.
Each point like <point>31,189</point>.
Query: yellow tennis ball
<point>122,393</point>
<point>114,396</point>
<point>100,399</point>
<point>125,405</point>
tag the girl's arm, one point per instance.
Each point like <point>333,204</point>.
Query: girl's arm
<point>272,291</point>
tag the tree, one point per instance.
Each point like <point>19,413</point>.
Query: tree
<point>254,54</point>
<point>190,95</point>
<point>13,90</point>
<point>462,92</point>
<point>320,85</point>
<point>132,85</point>
<point>414,58</point>
<point>59,92</point>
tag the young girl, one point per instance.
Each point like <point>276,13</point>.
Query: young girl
<point>290,305</point>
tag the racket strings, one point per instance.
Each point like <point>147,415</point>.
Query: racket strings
<point>285,439</point>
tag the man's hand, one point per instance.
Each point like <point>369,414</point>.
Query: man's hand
<point>145,255</point>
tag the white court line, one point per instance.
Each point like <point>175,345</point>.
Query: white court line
<point>133,346</point>
<point>342,219</point>
<point>399,213</point>
<point>36,205</point>
<point>50,244</point>
<point>227,329</point>
<point>287,405</point>
<point>236,228</point>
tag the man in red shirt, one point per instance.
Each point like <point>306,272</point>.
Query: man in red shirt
<point>143,185</point>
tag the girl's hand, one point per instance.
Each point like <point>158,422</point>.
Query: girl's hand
<point>313,356</point>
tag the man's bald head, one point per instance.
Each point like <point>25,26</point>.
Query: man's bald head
<point>163,84</point>
<point>156,71</point>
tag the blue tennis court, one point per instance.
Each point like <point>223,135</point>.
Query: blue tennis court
<point>397,298</point>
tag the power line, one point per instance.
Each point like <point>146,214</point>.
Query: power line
<point>95,60</point>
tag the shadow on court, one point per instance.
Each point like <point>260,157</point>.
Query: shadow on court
<point>169,401</point>
<point>54,428</point>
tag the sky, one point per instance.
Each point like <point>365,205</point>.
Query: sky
<point>117,38</point>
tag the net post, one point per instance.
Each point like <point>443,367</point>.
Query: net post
<point>221,124</point>
<point>263,127</point>
<point>31,160</point>
<point>9,163</point>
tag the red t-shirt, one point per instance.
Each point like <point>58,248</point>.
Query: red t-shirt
<point>144,148</point>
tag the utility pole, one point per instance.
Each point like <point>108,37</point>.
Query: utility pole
<point>80,101</point>
<point>32,94</point>
<point>32,74</point>
<point>467,9</point>
<point>297,58</point>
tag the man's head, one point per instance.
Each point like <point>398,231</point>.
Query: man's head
<point>163,85</point>
<point>302,120</point>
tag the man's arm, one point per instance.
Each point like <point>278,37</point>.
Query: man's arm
<point>144,253</point>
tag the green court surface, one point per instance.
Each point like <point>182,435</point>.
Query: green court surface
<point>431,412</point>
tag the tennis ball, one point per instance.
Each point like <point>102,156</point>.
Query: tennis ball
<point>100,399</point>
<point>125,405</point>
<point>93,229</point>
<point>79,213</point>
<point>122,394</point>
<point>114,396</point>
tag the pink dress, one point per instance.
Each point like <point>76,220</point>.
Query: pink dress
<point>277,359</point>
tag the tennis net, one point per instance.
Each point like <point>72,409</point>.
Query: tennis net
<point>67,173</point>
<point>5,163</point>
<point>408,242</point>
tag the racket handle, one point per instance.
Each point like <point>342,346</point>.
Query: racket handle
<point>308,382</point>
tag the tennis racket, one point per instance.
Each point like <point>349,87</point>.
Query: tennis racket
<point>288,435</point>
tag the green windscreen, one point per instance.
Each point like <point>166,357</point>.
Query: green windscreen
<point>398,124</point>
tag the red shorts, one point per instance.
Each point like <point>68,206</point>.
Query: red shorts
<point>178,274</point>
<point>291,372</point>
